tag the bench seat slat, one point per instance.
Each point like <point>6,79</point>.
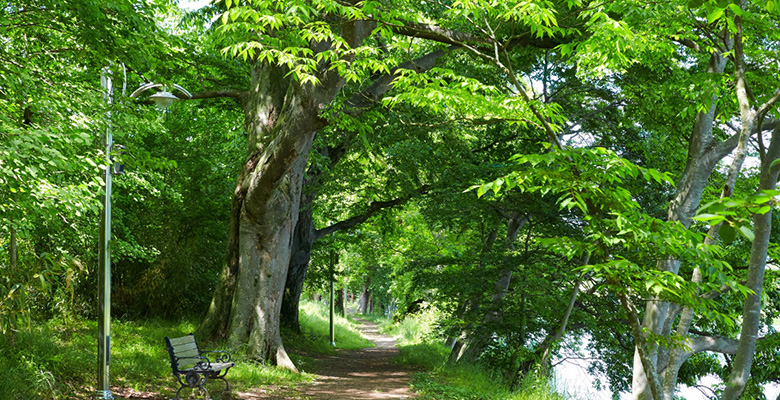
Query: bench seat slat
<point>214,367</point>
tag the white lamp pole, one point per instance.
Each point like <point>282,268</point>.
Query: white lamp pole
<point>163,100</point>
<point>103,390</point>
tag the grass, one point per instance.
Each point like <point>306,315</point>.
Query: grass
<point>421,349</point>
<point>314,318</point>
<point>56,359</point>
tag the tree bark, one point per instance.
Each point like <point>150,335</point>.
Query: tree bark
<point>472,304</point>
<point>641,346</point>
<point>214,325</point>
<point>281,118</point>
<point>303,240</point>
<point>306,235</point>
<point>340,309</point>
<point>678,355</point>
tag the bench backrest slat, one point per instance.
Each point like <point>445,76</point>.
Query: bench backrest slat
<point>181,347</point>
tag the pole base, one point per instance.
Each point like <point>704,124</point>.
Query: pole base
<point>103,395</point>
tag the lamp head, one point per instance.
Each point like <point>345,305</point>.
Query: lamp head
<point>163,99</point>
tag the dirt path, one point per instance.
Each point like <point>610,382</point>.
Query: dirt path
<point>365,374</point>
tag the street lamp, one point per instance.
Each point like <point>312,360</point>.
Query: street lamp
<point>163,99</point>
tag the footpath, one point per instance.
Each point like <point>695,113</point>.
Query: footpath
<point>366,374</point>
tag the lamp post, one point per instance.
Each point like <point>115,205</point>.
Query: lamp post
<point>332,328</point>
<point>163,99</point>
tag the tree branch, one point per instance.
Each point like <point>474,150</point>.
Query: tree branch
<point>362,100</point>
<point>375,207</point>
<point>437,34</point>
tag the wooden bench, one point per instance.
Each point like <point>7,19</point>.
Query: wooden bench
<point>192,368</point>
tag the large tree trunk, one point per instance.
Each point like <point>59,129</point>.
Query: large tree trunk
<point>214,325</point>
<point>281,119</point>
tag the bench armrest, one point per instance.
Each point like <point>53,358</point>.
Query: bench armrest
<point>222,355</point>
<point>202,363</point>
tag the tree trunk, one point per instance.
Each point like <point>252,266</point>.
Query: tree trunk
<point>340,310</point>
<point>472,304</point>
<point>303,240</point>
<point>281,120</point>
<point>457,349</point>
<point>214,325</point>
<point>13,252</point>
<point>550,341</point>
<point>703,155</point>
<point>481,337</point>
<point>751,314</point>
<point>679,354</point>
<point>364,297</point>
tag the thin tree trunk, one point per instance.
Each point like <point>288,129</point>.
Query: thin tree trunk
<point>364,297</point>
<point>340,302</point>
<point>481,337</point>
<point>648,363</point>
<point>13,252</point>
<point>548,345</point>
<point>751,313</point>
<point>471,305</point>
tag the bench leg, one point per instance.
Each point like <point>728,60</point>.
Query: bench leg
<point>200,385</point>
<point>227,384</point>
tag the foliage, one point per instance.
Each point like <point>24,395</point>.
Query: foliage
<point>619,234</point>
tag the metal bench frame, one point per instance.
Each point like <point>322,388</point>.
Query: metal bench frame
<point>192,369</point>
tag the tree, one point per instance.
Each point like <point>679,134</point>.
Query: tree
<point>303,56</point>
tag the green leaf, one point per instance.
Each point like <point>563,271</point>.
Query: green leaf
<point>715,14</point>
<point>747,232</point>
<point>727,233</point>
<point>709,217</point>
